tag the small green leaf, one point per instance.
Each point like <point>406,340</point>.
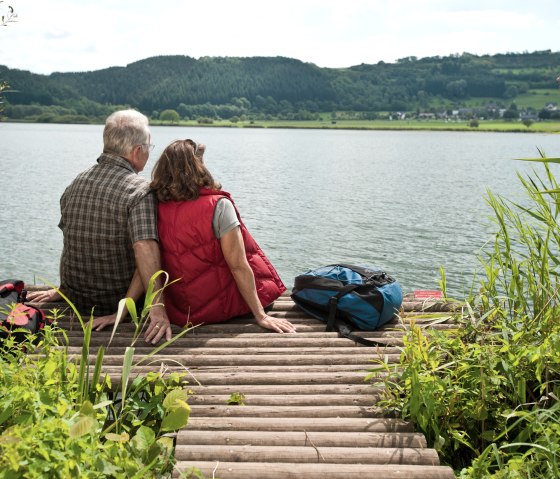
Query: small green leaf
<point>237,398</point>
<point>87,409</point>
<point>488,435</point>
<point>167,443</point>
<point>6,414</point>
<point>85,425</point>
<point>175,419</point>
<point>143,438</point>
<point>170,400</point>
<point>154,451</point>
<point>123,437</point>
<point>103,404</point>
<point>439,443</point>
<point>539,160</point>
<point>127,367</point>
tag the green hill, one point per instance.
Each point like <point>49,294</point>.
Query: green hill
<point>277,87</point>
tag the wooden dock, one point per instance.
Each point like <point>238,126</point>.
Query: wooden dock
<point>306,412</point>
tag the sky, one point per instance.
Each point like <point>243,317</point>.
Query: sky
<point>85,35</point>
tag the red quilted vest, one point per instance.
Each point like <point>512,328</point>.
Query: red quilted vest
<point>206,291</point>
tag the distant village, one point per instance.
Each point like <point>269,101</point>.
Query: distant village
<point>491,111</point>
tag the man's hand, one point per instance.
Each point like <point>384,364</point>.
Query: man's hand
<point>148,262</point>
<point>48,296</point>
<point>159,325</point>
<point>101,322</point>
<point>279,325</point>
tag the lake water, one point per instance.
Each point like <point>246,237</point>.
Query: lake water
<point>407,201</point>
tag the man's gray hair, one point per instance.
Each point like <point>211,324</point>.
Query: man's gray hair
<point>124,130</point>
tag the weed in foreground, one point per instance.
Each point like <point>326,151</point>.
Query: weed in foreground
<point>61,417</point>
<point>486,395</point>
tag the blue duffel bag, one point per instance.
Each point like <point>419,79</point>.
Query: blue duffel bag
<point>346,296</point>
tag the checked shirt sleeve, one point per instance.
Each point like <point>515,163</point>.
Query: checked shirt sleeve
<point>142,222</point>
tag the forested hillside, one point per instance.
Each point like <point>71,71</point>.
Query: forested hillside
<point>215,87</point>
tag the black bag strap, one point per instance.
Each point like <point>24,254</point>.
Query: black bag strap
<point>346,331</point>
<point>342,327</point>
<point>333,303</point>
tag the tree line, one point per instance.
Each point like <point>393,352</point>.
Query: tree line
<point>275,87</point>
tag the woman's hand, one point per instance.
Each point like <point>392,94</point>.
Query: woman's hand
<point>276,324</point>
<point>233,249</point>
<point>48,296</point>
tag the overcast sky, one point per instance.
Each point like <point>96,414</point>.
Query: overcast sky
<point>82,35</point>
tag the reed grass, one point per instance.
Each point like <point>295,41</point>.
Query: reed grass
<point>486,394</point>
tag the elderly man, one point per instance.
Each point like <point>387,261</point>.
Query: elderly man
<point>109,225</point>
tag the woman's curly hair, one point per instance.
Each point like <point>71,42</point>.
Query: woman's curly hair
<point>180,172</point>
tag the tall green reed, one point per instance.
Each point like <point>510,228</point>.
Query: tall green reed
<point>486,394</point>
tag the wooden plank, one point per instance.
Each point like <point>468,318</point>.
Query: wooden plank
<point>256,351</point>
<point>309,454</point>
<point>286,304</point>
<point>220,375</point>
<point>221,328</point>
<point>278,423</point>
<point>232,325</point>
<point>432,306</point>
<point>288,389</point>
<point>288,411</point>
<point>241,341</point>
<point>244,377</point>
<point>268,337</point>
<point>142,349</point>
<point>288,400</point>
<point>271,370</point>
<point>188,436</point>
<point>263,470</point>
<point>127,329</point>
<point>259,359</point>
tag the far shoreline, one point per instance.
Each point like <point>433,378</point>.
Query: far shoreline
<point>359,125</point>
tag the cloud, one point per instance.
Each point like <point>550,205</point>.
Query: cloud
<point>56,35</point>
<point>77,35</point>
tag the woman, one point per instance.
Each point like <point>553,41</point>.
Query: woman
<point>220,270</point>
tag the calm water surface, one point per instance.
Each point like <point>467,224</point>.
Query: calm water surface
<point>407,201</point>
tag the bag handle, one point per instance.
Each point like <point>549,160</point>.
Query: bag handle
<point>376,276</point>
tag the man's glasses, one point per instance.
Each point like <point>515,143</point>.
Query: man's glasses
<point>149,146</point>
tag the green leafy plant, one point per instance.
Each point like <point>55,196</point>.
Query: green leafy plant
<point>59,417</point>
<point>237,398</point>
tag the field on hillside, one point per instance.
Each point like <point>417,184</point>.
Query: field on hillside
<point>536,99</point>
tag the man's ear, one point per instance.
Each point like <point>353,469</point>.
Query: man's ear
<point>133,157</point>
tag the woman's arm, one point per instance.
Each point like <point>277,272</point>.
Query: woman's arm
<point>234,254</point>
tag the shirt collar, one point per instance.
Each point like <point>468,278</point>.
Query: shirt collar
<point>109,159</point>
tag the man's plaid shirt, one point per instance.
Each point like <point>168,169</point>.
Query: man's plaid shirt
<point>104,211</point>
